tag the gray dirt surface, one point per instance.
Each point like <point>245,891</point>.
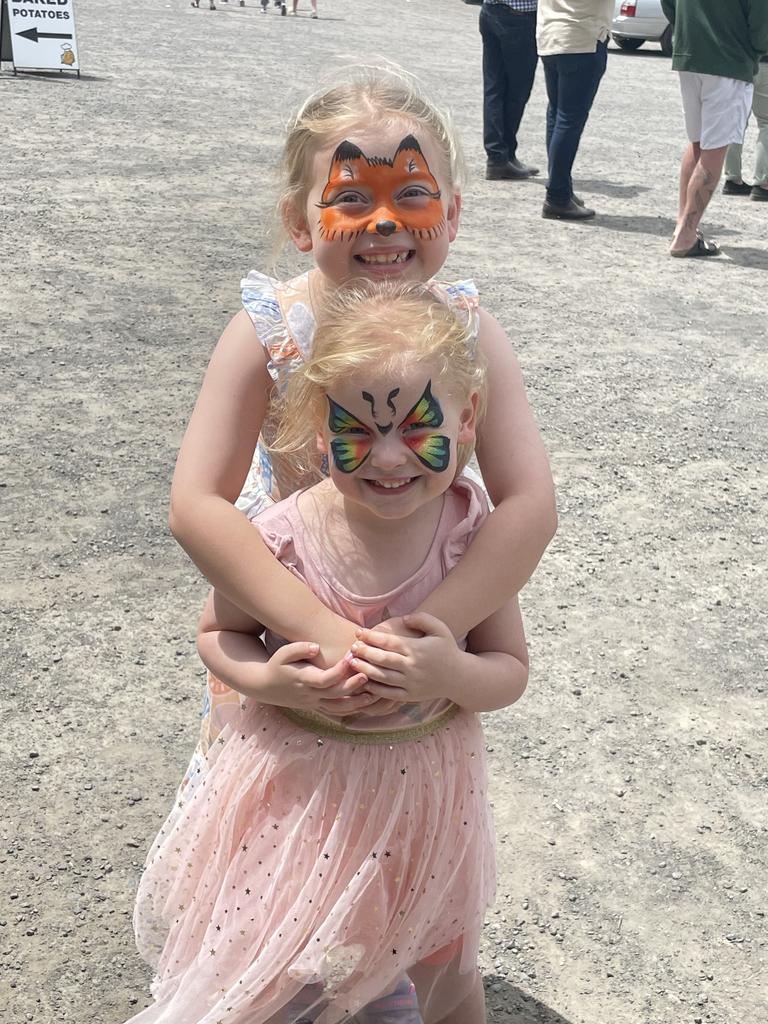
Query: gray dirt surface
<point>630,783</point>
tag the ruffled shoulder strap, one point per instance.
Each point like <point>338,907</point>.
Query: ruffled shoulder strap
<point>260,302</point>
<point>464,298</point>
<point>259,294</point>
<point>264,300</point>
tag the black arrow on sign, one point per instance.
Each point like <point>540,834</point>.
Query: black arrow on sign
<point>34,35</point>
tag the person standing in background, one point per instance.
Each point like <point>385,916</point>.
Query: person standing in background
<point>734,184</point>
<point>313,4</point>
<point>508,30</point>
<point>717,47</point>
<point>572,38</point>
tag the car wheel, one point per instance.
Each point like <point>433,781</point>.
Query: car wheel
<point>666,42</point>
<point>628,42</point>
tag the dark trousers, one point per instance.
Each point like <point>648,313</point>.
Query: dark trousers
<point>572,82</point>
<point>509,67</point>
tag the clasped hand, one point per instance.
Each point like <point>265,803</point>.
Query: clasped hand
<point>403,660</point>
<point>406,660</point>
<point>290,680</point>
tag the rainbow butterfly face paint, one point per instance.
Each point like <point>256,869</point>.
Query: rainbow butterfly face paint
<point>351,451</point>
<point>432,449</point>
<point>416,431</point>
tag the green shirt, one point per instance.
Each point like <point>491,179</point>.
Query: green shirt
<point>718,37</point>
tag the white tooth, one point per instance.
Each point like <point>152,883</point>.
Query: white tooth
<point>385,257</point>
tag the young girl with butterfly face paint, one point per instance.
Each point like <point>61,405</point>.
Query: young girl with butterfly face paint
<point>334,867</point>
<point>371,191</point>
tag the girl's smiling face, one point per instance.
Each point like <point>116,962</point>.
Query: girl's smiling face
<point>380,206</point>
<point>391,440</point>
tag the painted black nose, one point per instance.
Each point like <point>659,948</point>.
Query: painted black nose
<point>386,227</point>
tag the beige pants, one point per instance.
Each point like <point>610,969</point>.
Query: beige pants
<point>760,110</point>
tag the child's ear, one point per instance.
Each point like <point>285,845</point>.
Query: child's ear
<point>453,215</point>
<point>297,226</point>
<point>468,420</point>
<point>322,447</point>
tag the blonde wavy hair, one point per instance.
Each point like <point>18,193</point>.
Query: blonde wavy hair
<point>387,329</point>
<point>362,95</point>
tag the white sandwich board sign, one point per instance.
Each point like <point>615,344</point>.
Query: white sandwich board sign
<point>42,34</point>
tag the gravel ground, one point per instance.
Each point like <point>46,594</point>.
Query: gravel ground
<point>630,783</point>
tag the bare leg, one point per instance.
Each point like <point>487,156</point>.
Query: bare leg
<point>471,1010</point>
<point>690,159</point>
<point>702,182</point>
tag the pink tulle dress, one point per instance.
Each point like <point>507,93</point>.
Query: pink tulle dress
<point>315,865</point>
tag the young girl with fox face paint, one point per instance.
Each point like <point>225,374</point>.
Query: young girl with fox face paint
<point>332,867</point>
<point>371,174</point>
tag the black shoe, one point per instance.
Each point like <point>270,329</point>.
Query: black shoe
<point>736,188</point>
<point>578,200</point>
<point>526,168</point>
<point>566,211</point>
<point>512,170</point>
<point>760,193</point>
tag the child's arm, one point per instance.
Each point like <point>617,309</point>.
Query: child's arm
<point>229,645</point>
<point>490,674</point>
<point>213,462</point>
<point>501,558</point>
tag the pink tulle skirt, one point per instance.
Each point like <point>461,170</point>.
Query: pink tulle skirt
<point>302,878</point>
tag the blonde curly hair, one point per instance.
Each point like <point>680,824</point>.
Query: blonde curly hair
<point>386,327</point>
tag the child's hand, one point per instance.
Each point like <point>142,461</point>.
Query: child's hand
<point>291,681</point>
<point>407,668</point>
<point>395,627</point>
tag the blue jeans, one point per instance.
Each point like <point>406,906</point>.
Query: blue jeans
<point>509,67</point>
<point>572,82</point>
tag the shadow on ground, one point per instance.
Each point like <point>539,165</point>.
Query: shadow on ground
<point>646,54</point>
<point>52,77</point>
<point>611,188</point>
<point>747,256</point>
<point>662,227</point>
<point>512,1005</point>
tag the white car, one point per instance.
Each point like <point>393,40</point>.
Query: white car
<point>639,21</point>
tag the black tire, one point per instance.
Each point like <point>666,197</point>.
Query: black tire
<point>628,42</point>
<point>666,42</point>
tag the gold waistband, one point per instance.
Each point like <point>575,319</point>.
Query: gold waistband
<point>321,726</point>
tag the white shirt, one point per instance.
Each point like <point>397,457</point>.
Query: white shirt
<point>572,26</point>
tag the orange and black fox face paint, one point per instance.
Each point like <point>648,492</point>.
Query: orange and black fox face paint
<point>380,195</point>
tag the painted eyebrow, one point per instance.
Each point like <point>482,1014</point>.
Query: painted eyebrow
<point>341,419</point>
<point>433,409</point>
